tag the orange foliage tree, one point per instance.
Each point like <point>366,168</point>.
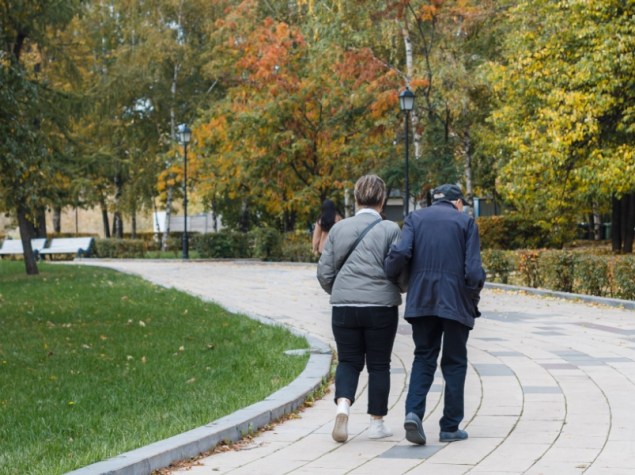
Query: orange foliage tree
<point>300,122</point>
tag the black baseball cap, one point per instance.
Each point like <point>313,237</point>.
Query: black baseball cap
<point>448,192</point>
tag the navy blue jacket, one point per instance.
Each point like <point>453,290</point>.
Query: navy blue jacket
<point>442,248</point>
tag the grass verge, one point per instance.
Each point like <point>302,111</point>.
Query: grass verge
<point>94,363</point>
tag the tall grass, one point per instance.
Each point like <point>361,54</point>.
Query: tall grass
<point>94,363</point>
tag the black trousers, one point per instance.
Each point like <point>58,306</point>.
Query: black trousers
<point>364,335</point>
<point>427,333</point>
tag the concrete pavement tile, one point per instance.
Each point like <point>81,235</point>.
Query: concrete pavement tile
<point>491,426</point>
<point>532,398</point>
<point>441,469</point>
<point>581,441</point>
<point>348,456</point>
<point>537,431</point>
<point>312,470</point>
<point>541,390</point>
<point>390,466</point>
<point>544,410</point>
<point>596,469</point>
<point>618,454</point>
<point>562,468</point>
<point>231,459</point>
<point>467,452</point>
<point>491,407</point>
<point>515,457</point>
<point>411,451</point>
<point>491,369</point>
<point>577,455</point>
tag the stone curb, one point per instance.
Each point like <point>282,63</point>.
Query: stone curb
<point>627,304</point>
<point>231,428</point>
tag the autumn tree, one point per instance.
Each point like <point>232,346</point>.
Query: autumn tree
<point>565,120</point>
<point>302,118</point>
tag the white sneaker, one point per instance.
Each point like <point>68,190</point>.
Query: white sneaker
<point>378,429</point>
<point>340,430</point>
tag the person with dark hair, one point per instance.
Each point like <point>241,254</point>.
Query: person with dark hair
<point>328,217</point>
<point>440,245</point>
<point>365,305</point>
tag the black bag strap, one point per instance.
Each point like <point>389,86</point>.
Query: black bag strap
<point>357,241</point>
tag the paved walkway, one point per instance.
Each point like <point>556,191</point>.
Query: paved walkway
<point>550,387</point>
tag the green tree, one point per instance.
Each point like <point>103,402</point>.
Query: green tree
<point>34,114</point>
<point>565,116</point>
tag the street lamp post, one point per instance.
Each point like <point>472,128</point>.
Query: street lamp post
<point>185,135</point>
<point>406,103</point>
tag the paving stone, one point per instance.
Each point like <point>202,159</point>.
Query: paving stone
<point>549,389</point>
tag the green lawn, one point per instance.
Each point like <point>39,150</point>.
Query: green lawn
<point>94,363</point>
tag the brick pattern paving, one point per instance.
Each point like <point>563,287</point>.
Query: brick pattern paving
<point>550,387</point>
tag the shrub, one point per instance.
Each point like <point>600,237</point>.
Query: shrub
<point>591,275</point>
<point>120,248</point>
<point>624,278</point>
<point>529,268</point>
<point>558,270</point>
<point>296,247</point>
<point>225,243</point>
<point>511,231</point>
<point>492,232</point>
<point>267,243</point>
<point>498,265</point>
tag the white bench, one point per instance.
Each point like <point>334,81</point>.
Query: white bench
<point>80,247</point>
<point>14,246</point>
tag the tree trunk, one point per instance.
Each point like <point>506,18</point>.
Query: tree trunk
<point>117,225</point>
<point>597,223</point>
<point>215,215</point>
<point>623,215</point>
<point>168,214</point>
<point>467,155</point>
<point>244,216</point>
<point>133,224</point>
<point>104,217</point>
<point>57,219</point>
<point>26,229</point>
<point>40,230</point>
<point>414,118</point>
<point>629,222</point>
<point>170,197</point>
<point>117,220</point>
<point>616,228</point>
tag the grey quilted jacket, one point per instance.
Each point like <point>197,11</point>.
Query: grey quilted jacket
<point>361,281</point>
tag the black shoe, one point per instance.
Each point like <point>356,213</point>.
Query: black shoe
<point>414,429</point>
<point>452,436</point>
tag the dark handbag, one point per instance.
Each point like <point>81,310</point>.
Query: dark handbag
<point>357,241</point>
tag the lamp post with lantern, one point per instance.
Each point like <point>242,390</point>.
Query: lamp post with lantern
<point>406,103</point>
<point>185,135</point>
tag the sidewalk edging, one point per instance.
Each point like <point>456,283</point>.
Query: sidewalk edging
<point>231,428</point>
<point>627,304</point>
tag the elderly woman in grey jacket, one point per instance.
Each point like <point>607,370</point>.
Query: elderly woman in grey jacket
<point>365,304</point>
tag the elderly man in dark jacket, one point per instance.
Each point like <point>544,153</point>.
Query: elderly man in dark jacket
<point>441,247</point>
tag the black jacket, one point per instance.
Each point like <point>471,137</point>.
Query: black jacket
<point>442,248</point>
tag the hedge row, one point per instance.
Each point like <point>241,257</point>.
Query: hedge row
<point>263,243</point>
<point>566,271</point>
<point>512,231</point>
<point>120,248</point>
<point>574,271</point>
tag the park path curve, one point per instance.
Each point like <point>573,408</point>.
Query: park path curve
<point>550,386</point>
